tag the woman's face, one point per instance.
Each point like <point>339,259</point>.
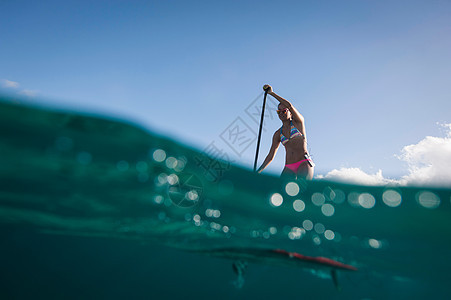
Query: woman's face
<point>283,112</point>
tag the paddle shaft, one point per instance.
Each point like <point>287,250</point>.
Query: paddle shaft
<point>260,131</point>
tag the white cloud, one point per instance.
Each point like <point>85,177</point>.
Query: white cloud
<point>357,176</point>
<point>15,85</point>
<point>9,84</point>
<point>429,163</point>
<point>28,93</point>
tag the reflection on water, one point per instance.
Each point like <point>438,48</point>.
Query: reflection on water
<point>76,175</point>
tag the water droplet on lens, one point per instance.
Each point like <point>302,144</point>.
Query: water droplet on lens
<point>158,199</point>
<point>122,165</point>
<point>276,199</point>
<point>316,240</point>
<point>428,200</point>
<point>308,225</point>
<point>329,193</point>
<point>141,166</point>
<point>292,188</point>
<point>391,198</point>
<point>167,202</point>
<point>366,200</point>
<point>162,178</point>
<point>353,199</point>
<point>173,179</point>
<point>162,215</point>
<point>181,163</point>
<point>374,243</point>
<point>192,195</point>
<point>159,155</point>
<point>171,162</point>
<point>318,199</point>
<point>329,234</point>
<point>328,210</point>
<point>319,228</point>
<point>298,205</point>
<point>339,196</point>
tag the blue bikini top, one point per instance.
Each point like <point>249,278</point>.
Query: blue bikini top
<point>293,133</point>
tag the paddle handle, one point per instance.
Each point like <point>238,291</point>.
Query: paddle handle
<point>260,130</point>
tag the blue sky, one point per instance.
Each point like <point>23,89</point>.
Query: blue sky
<point>370,77</point>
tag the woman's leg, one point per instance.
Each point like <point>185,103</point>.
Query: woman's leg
<point>305,171</point>
<point>287,172</point>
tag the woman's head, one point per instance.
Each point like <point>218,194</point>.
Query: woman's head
<point>283,112</point>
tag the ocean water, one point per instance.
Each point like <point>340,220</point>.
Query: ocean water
<point>97,208</point>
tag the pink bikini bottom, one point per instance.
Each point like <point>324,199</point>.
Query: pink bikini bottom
<point>294,167</point>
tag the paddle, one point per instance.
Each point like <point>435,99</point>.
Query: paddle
<point>260,130</point>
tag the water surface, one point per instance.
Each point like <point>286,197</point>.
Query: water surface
<point>95,207</point>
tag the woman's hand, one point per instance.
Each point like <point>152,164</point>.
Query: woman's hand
<point>267,88</point>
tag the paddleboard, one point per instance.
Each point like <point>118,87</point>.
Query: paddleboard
<point>243,256</point>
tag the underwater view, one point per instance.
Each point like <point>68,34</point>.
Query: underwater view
<point>93,207</point>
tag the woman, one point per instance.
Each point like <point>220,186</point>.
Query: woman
<point>292,135</point>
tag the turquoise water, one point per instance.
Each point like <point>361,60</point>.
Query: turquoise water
<point>92,207</point>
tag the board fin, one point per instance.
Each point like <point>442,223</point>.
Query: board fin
<point>333,274</point>
<point>239,267</point>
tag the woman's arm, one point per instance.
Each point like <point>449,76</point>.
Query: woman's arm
<point>272,152</point>
<point>294,112</point>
